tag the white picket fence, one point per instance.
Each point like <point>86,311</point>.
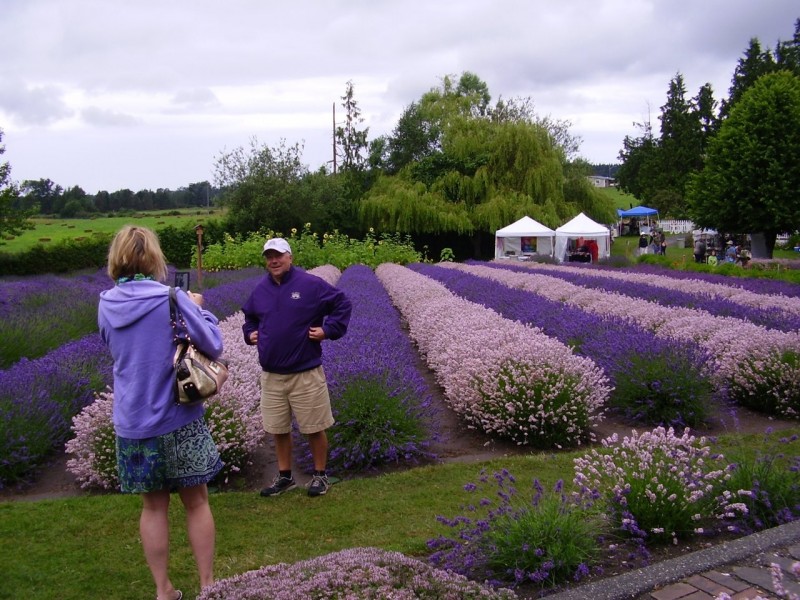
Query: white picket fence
<point>676,226</point>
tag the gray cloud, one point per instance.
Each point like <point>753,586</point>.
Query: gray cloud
<point>33,105</point>
<point>101,117</point>
<point>207,74</point>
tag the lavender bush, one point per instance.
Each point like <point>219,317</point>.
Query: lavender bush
<point>39,397</point>
<point>655,381</point>
<point>356,573</point>
<point>38,314</point>
<point>657,486</point>
<point>380,400</point>
<point>546,540</point>
<point>232,416</point>
<point>93,447</point>
<point>503,377</point>
<point>748,359</point>
<point>773,311</point>
<point>767,483</point>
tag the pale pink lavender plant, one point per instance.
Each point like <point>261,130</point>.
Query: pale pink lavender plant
<point>355,573</point>
<point>93,459</point>
<point>778,584</point>
<point>232,416</point>
<point>656,381</point>
<point>759,285</point>
<point>503,377</point>
<point>657,485</point>
<point>750,361</point>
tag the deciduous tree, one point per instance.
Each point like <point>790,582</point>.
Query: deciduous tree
<point>13,220</point>
<point>751,179</point>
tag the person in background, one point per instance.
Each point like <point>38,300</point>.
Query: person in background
<point>699,250</point>
<point>161,446</point>
<point>663,244</point>
<point>642,244</point>
<point>730,252</point>
<point>287,316</point>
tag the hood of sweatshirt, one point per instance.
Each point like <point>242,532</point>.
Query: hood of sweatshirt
<point>125,304</point>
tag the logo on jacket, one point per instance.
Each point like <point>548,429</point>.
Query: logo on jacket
<point>295,295</point>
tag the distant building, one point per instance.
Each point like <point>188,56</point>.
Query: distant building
<point>601,181</point>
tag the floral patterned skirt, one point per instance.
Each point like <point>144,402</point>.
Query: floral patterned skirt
<point>182,458</point>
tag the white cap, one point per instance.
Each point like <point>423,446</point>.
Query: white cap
<point>277,244</point>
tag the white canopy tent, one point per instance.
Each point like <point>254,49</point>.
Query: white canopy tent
<point>523,238</point>
<point>582,227</point>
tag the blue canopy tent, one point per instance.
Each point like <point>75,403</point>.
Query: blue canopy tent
<point>637,212</point>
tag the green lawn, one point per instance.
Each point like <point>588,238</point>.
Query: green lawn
<point>88,546</point>
<point>48,231</point>
<point>620,198</point>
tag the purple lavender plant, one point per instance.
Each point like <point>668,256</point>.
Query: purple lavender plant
<point>760,285</point>
<point>39,313</point>
<point>39,397</point>
<point>505,539</point>
<point>380,399</point>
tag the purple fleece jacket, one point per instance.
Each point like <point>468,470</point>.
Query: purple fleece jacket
<point>282,315</point>
<point>135,323</point>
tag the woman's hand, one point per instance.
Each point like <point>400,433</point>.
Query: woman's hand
<point>196,298</point>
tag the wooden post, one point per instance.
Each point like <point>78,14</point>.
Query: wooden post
<point>199,231</point>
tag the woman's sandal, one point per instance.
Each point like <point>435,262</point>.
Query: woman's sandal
<point>178,597</point>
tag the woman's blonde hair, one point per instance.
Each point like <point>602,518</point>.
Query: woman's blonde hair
<point>136,250</point>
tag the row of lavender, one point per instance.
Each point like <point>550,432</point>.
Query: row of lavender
<point>776,311</point>
<point>380,399</point>
<point>750,364</point>
<point>654,381</point>
<point>501,376</point>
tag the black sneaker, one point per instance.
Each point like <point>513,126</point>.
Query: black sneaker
<point>319,485</point>
<point>279,485</point>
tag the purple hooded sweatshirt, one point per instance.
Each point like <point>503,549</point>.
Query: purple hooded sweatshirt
<point>135,324</point>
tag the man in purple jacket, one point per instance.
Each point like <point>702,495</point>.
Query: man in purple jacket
<point>287,316</point>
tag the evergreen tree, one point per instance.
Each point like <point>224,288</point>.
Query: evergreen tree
<point>787,53</point>
<point>755,63</point>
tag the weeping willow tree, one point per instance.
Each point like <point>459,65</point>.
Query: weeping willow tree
<point>479,170</point>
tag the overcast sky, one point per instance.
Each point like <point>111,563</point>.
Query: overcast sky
<point>146,94</point>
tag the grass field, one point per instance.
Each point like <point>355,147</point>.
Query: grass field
<point>48,231</point>
<point>620,198</point>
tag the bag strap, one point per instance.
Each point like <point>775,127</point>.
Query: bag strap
<point>176,318</point>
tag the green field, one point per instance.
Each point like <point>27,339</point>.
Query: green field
<point>48,231</point>
<point>620,198</point>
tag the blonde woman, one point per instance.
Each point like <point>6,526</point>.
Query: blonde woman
<point>161,446</point>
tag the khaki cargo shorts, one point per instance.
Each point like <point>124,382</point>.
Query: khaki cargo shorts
<point>304,395</point>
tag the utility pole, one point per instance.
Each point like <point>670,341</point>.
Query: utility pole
<point>334,138</point>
